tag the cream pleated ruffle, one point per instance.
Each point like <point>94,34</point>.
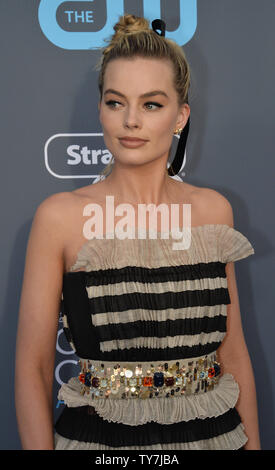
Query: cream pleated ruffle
<point>232,440</point>
<point>209,243</point>
<point>163,410</point>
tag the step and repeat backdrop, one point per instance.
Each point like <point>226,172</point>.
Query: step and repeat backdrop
<point>52,141</point>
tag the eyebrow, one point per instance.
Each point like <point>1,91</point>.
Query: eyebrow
<point>145,95</point>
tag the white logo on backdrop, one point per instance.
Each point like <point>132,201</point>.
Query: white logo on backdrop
<point>76,154</point>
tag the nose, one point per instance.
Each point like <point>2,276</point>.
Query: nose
<point>132,118</point>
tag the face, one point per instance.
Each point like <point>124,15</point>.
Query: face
<point>139,100</point>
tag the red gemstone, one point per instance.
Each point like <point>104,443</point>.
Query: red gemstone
<point>81,378</point>
<point>147,381</point>
<point>169,381</point>
<point>95,382</point>
<point>211,372</point>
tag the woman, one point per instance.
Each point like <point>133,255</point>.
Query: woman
<point>163,359</point>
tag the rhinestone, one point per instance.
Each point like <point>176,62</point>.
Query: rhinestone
<point>95,382</point>
<point>211,372</point>
<point>103,383</point>
<point>147,381</point>
<point>133,381</point>
<point>217,369</point>
<point>169,381</point>
<point>88,379</point>
<point>158,379</point>
<point>128,373</point>
<point>81,378</point>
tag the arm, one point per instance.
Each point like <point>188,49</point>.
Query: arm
<point>233,353</point>
<point>37,326</point>
<point>235,359</point>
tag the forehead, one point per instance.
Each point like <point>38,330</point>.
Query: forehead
<point>139,75</point>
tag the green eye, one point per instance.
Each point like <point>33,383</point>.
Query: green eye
<point>112,103</point>
<point>150,103</point>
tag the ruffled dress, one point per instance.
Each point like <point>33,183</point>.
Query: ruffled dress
<point>146,320</point>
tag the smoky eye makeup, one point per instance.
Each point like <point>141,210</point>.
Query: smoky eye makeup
<point>111,103</point>
<point>154,104</point>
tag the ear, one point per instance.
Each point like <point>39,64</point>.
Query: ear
<point>184,113</point>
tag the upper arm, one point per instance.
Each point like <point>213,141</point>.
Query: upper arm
<point>234,343</point>
<point>41,287</point>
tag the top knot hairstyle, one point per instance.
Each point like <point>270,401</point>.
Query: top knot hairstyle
<point>134,37</point>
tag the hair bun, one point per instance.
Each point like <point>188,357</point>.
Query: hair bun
<point>129,24</point>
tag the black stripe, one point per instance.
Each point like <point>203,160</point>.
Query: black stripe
<point>161,329</point>
<point>151,275</point>
<point>155,301</point>
<point>76,307</point>
<point>87,340</point>
<point>78,424</point>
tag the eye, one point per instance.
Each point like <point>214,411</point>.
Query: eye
<point>151,103</point>
<point>112,103</point>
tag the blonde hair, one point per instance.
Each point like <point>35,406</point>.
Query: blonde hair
<point>134,37</point>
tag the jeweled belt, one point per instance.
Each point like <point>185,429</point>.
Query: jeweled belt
<point>105,379</point>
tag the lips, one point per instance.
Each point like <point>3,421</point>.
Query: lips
<point>132,139</point>
<point>132,142</point>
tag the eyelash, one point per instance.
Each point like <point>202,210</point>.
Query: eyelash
<point>111,103</point>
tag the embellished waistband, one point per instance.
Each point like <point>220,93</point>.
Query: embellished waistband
<point>105,379</point>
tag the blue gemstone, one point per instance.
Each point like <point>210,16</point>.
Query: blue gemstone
<point>88,379</point>
<point>217,369</point>
<point>158,379</point>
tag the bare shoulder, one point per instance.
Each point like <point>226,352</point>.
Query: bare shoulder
<point>58,208</point>
<point>66,208</point>
<point>213,207</point>
<point>56,202</point>
<point>54,216</point>
<point>208,206</point>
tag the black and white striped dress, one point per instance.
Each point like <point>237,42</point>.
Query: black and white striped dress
<point>139,301</point>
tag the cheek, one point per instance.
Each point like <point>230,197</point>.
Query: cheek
<point>109,123</point>
<point>161,130</point>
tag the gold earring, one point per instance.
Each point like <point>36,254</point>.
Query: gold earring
<point>178,131</point>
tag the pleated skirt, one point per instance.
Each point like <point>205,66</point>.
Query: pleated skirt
<point>81,428</point>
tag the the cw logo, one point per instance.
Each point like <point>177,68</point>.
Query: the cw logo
<point>115,8</point>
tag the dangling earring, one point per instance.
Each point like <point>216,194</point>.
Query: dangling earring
<point>175,166</point>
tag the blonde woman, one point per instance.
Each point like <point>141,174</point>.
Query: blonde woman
<point>163,362</point>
